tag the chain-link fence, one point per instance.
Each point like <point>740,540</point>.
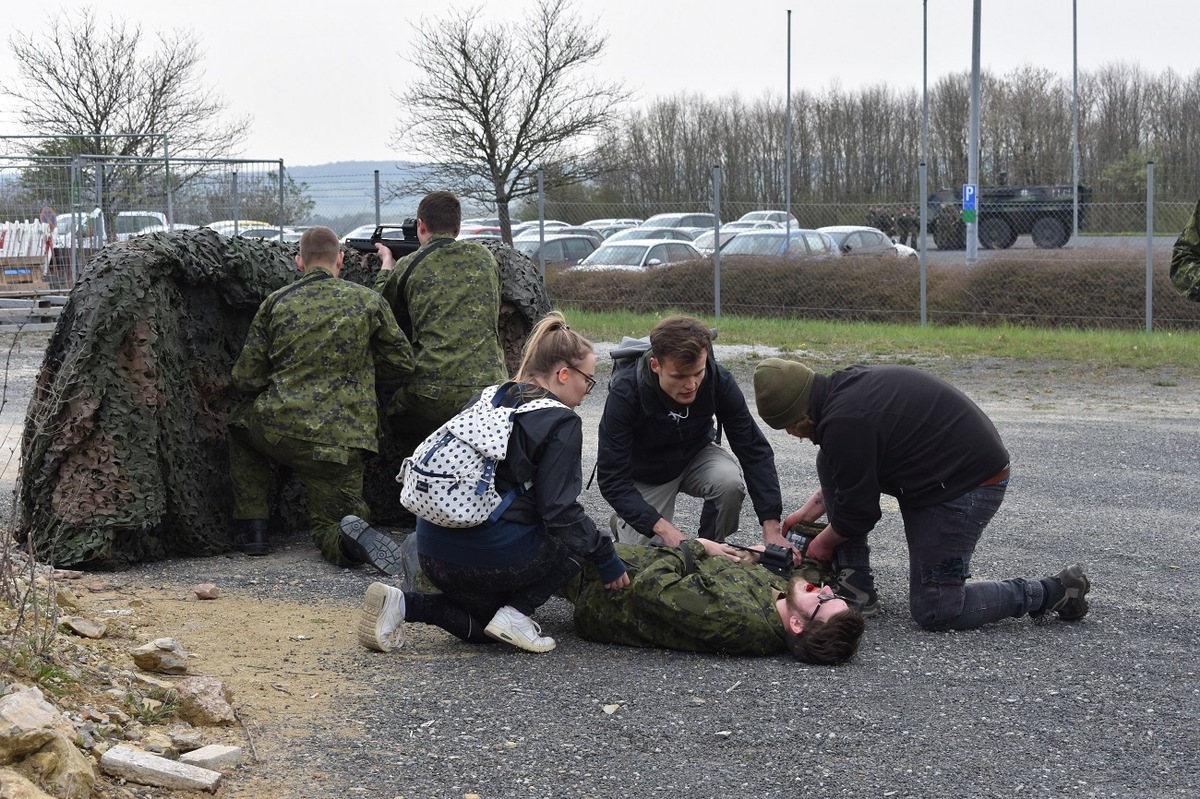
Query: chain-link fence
<point>92,201</point>
<point>1029,266</point>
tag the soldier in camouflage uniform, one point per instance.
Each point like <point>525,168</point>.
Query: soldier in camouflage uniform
<point>308,370</point>
<point>1185,259</point>
<point>446,298</point>
<point>695,598</point>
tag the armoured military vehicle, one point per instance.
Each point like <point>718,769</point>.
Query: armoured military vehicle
<point>1005,212</point>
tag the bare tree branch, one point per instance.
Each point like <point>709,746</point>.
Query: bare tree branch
<point>496,102</point>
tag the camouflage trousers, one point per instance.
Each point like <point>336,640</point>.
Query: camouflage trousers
<point>332,479</point>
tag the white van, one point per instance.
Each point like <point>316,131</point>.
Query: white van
<point>89,227</point>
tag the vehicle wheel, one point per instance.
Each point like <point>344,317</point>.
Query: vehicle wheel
<point>996,234</point>
<point>1049,233</point>
<point>949,233</point>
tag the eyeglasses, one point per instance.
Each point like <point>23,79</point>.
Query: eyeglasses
<point>591,381</point>
<point>821,600</point>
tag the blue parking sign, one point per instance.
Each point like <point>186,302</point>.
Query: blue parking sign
<point>970,197</point>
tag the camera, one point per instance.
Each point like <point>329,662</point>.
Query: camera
<point>778,559</point>
<point>800,542</point>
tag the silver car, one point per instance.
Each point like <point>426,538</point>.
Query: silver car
<point>639,255</point>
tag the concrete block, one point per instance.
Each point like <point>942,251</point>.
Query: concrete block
<point>147,769</point>
<point>216,757</point>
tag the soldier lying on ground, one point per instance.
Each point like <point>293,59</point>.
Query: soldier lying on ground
<point>699,597</point>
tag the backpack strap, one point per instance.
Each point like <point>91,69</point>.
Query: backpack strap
<point>403,317</point>
<point>299,284</point>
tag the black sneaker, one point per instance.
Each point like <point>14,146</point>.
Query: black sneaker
<point>1072,605</point>
<point>364,543</point>
<point>858,586</point>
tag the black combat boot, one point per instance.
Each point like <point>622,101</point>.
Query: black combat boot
<point>251,537</point>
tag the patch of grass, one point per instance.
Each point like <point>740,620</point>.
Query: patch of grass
<point>833,342</point>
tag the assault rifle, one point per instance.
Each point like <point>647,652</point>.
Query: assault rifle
<point>400,239</point>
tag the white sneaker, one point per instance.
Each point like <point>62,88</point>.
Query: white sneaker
<point>513,627</point>
<point>381,622</point>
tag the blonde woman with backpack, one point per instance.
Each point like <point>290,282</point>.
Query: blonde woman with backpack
<point>495,575</point>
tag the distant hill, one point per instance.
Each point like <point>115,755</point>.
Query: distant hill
<point>344,191</point>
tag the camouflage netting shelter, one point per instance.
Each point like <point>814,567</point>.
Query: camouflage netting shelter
<point>123,456</point>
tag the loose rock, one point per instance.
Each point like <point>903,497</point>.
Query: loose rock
<point>163,655</point>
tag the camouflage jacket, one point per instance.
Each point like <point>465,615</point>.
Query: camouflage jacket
<point>453,300</point>
<point>1185,259</point>
<point>310,361</point>
<point>711,605</point>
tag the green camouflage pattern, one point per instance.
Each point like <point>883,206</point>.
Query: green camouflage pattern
<point>453,299</point>
<point>124,455</point>
<point>724,607</point>
<point>1185,259</point>
<point>310,362</point>
<point>523,300</point>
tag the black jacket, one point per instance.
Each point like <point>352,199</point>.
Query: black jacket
<point>900,431</point>
<point>643,439</point>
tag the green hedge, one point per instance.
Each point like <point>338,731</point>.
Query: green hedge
<point>1044,293</point>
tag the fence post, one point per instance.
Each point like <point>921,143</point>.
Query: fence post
<point>716,177</point>
<point>541,224</point>
<point>378,218</point>
<point>923,171</point>
<point>167,177</point>
<point>236,213</point>
<point>281,217</point>
<point>1149,246</point>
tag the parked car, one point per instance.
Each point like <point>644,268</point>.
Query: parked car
<point>638,254</point>
<point>704,242</point>
<point>558,249</point>
<point>609,230</point>
<point>480,233</point>
<point>692,219</point>
<point>801,244</point>
<point>594,235</point>
<point>470,227</point>
<point>744,225</point>
<point>598,224</point>
<point>641,232</point>
<point>858,240</point>
<point>365,232</point>
<point>520,227</point>
<point>90,230</point>
<point>778,217</point>
<point>284,234</point>
<point>226,226</point>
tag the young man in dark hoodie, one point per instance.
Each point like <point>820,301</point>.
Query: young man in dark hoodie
<point>900,431</point>
<point>658,439</point>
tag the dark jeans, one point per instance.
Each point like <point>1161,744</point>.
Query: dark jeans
<point>473,594</point>
<point>941,540</point>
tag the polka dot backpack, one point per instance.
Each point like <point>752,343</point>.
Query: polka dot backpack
<point>450,479</point>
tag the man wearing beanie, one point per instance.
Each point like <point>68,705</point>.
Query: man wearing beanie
<point>897,430</point>
<point>658,440</point>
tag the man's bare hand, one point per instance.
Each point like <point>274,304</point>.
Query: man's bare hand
<point>809,512</point>
<point>620,582</point>
<point>669,533</point>
<point>386,259</point>
<point>716,550</point>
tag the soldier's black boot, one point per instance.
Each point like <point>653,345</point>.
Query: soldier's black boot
<point>363,543</point>
<point>251,537</point>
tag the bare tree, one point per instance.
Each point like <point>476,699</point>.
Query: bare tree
<point>83,79</point>
<point>494,102</point>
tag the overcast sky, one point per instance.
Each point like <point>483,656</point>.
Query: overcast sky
<point>319,79</point>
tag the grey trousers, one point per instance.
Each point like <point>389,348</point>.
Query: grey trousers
<point>715,476</point>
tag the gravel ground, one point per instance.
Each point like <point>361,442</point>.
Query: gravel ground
<point>1105,472</point>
